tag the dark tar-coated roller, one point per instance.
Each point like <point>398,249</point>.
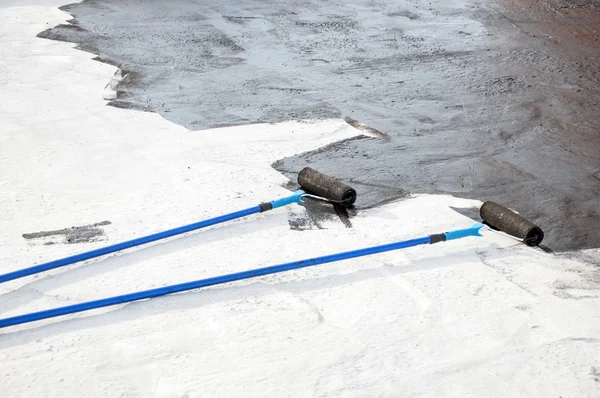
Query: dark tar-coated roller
<point>319,184</point>
<point>505,220</point>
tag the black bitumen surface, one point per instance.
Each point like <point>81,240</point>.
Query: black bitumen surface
<point>466,101</point>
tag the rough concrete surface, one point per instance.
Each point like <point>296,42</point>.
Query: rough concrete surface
<point>473,98</point>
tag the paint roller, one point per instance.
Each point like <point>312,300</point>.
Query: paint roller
<point>500,218</point>
<point>314,184</point>
<point>318,185</point>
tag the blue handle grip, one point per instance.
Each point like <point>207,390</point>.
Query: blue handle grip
<point>462,233</point>
<point>164,290</point>
<point>126,245</point>
<point>296,197</point>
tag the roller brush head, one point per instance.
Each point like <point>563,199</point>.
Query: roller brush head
<point>319,184</point>
<point>499,217</point>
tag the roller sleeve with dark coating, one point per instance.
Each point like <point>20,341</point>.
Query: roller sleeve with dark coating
<point>507,221</point>
<point>319,184</point>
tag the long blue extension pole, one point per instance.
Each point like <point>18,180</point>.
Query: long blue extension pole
<point>296,197</point>
<point>161,291</point>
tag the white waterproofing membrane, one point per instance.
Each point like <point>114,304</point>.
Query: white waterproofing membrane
<point>481,316</point>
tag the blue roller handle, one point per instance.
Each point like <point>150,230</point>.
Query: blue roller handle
<point>296,197</point>
<point>161,291</point>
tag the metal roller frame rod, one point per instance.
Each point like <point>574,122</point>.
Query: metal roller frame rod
<point>147,294</point>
